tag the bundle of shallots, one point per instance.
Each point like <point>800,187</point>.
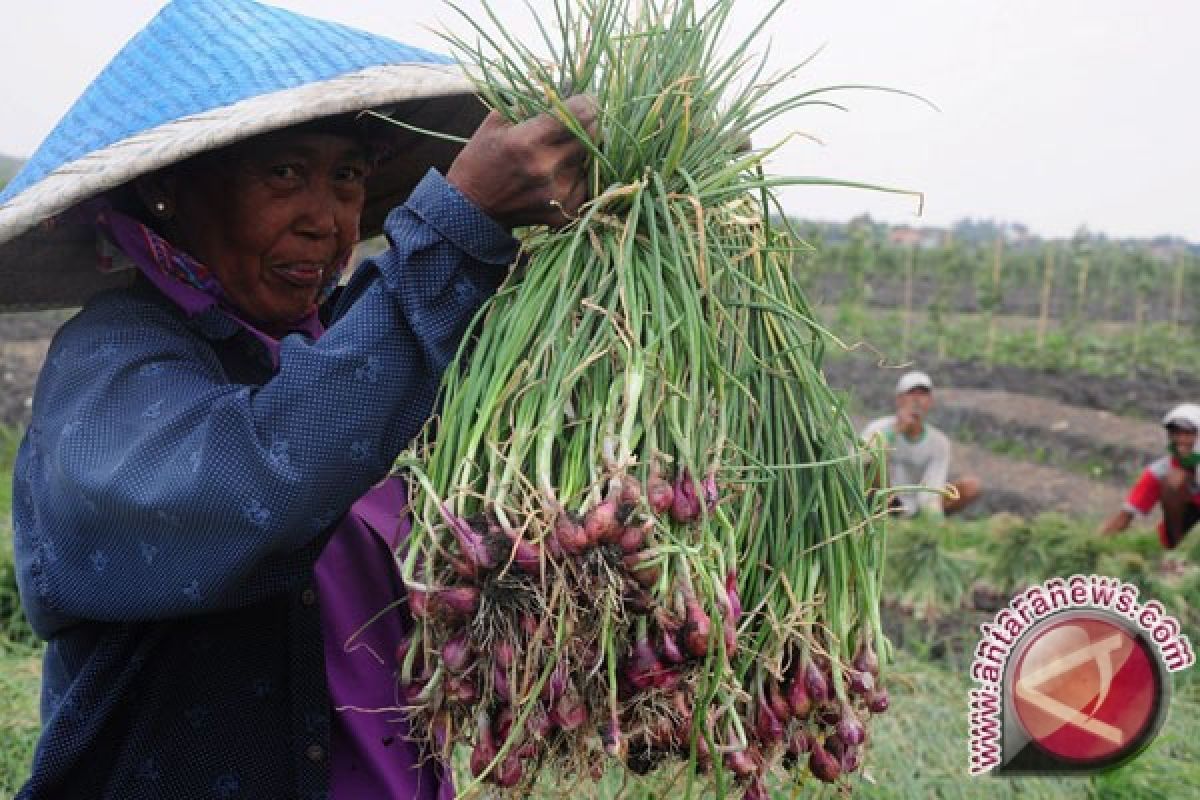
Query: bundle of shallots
<point>641,535</point>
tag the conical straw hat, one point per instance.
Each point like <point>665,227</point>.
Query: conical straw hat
<point>201,75</point>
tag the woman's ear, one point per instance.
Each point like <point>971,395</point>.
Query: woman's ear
<point>157,193</point>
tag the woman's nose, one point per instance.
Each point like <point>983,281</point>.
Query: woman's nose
<point>319,218</point>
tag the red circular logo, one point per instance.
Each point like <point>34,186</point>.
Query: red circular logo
<point>1085,689</point>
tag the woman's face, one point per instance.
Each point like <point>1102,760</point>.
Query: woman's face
<point>273,218</point>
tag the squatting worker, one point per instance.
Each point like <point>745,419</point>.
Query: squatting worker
<point>919,453</point>
<point>199,532</point>
<point>1169,482</point>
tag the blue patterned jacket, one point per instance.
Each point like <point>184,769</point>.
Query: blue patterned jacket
<point>173,492</point>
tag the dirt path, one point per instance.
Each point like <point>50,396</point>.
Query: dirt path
<point>1099,427</point>
<point>1146,396</point>
<point>24,338</point>
<point>1097,444</point>
<point>20,362</point>
<point>1024,488</point>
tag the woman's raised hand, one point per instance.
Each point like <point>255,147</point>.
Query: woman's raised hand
<point>533,173</point>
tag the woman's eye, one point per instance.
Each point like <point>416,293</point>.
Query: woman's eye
<point>286,172</point>
<point>352,174</point>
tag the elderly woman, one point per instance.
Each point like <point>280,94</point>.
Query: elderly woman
<point>201,530</point>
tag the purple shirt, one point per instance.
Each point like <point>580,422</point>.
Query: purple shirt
<point>356,578</point>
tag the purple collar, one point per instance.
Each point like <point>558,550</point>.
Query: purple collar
<point>184,280</point>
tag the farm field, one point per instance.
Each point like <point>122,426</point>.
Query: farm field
<point>1057,443</point>
<point>1035,450</point>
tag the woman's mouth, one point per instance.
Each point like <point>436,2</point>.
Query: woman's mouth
<point>302,275</point>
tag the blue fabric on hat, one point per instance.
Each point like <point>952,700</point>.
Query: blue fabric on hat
<point>235,49</point>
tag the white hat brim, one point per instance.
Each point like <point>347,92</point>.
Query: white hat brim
<point>49,262</point>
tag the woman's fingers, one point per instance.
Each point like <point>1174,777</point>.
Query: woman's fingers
<point>577,192</point>
<point>551,129</point>
<point>586,112</point>
<point>528,174</point>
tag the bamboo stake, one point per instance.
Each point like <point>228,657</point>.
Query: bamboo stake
<point>942,275</point>
<point>1081,288</point>
<point>1139,314</point>
<point>1177,298</point>
<point>908,293</point>
<point>1047,283</point>
<point>1112,298</point>
<point>997,259</point>
<point>1080,307</point>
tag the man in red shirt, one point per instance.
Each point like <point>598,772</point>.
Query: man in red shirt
<point>1170,482</point>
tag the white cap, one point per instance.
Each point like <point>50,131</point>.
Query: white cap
<point>913,380</point>
<point>1186,415</point>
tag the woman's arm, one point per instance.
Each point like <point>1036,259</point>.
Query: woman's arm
<point>149,486</point>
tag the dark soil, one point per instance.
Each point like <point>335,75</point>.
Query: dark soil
<point>1088,426</point>
<point>996,500</point>
<point>1092,443</point>
<point>950,637</point>
<point>1147,396</point>
<point>1020,487</point>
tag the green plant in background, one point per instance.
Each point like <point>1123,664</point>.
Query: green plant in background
<point>20,669</point>
<point>10,438</point>
<point>1112,294</point>
<point>926,572</point>
<point>854,262</point>
<point>1145,278</point>
<point>1133,567</point>
<point>1187,590</point>
<point>948,263</point>
<point>1017,558</point>
<point>1101,297</point>
<point>1190,268</point>
<point>806,266</point>
<point>1072,550</point>
<point>1017,449</point>
<point>15,633</point>
<point>1053,545</point>
<point>1107,354</point>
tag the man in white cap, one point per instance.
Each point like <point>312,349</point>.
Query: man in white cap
<point>1169,482</point>
<point>919,453</point>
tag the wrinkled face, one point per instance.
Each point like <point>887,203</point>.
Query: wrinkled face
<point>1183,439</point>
<point>273,218</point>
<point>916,402</point>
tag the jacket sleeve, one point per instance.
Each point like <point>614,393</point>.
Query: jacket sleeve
<point>1144,494</point>
<point>150,487</point>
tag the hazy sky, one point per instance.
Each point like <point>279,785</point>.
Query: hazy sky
<point>1055,113</point>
